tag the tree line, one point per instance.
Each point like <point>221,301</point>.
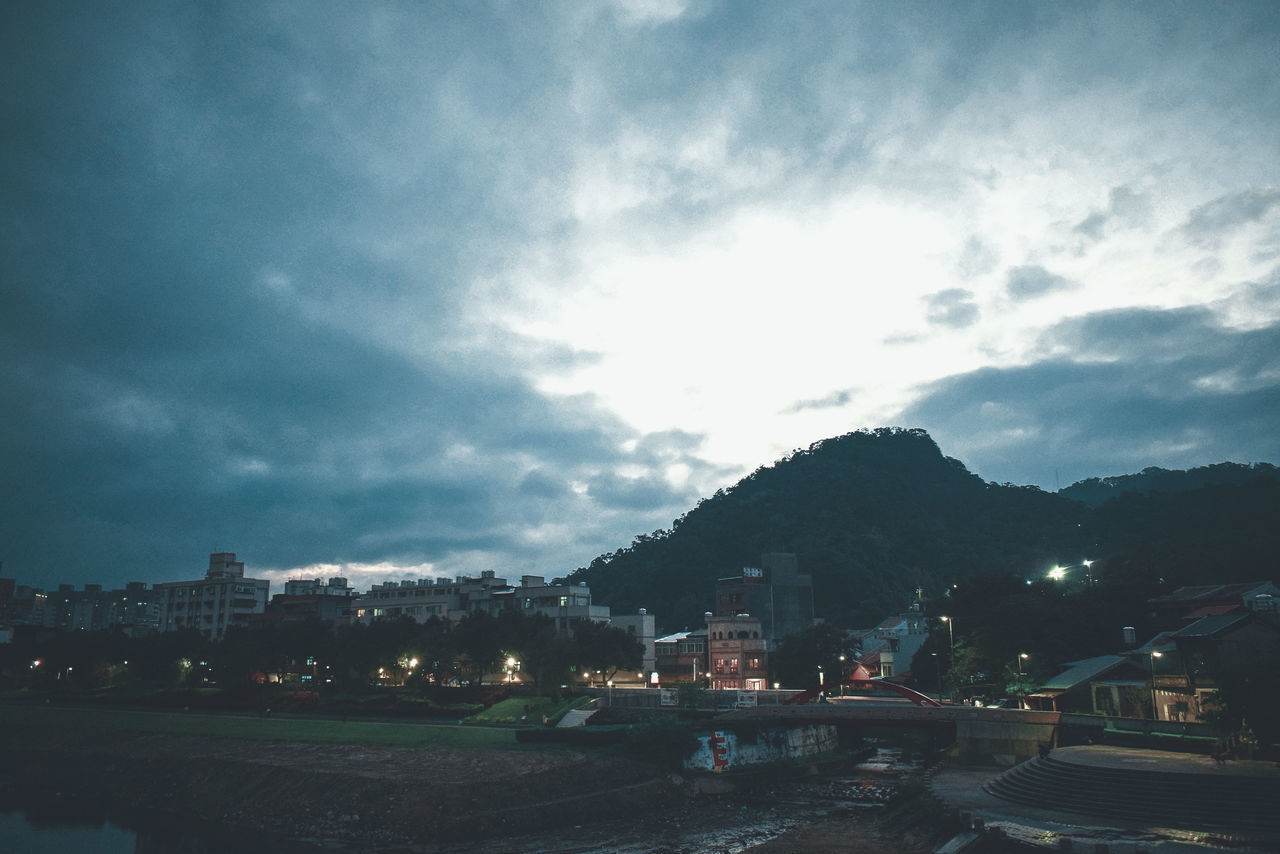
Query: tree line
<point>351,658</point>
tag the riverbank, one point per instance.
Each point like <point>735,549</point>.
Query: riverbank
<point>489,796</point>
<point>366,796</point>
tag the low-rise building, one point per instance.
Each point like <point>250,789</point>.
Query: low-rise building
<point>313,599</point>
<point>778,593</point>
<point>682,656</point>
<point>642,627</point>
<point>223,598</point>
<point>133,608</point>
<point>739,655</point>
<point>1187,604</point>
<point>563,603</point>
<point>887,649</point>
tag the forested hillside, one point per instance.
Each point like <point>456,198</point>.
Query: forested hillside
<point>1097,491</point>
<point>876,514</point>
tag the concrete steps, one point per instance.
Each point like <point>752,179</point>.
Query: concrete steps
<point>1191,801</point>
<point>576,717</point>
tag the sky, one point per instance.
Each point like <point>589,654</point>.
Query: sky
<point>396,290</point>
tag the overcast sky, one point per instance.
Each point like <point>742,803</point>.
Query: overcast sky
<point>392,290</point>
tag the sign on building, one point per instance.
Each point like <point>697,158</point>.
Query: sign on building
<point>666,697</point>
<point>747,699</point>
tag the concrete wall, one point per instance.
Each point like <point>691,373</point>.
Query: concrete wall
<point>768,745</point>
<point>1003,737</point>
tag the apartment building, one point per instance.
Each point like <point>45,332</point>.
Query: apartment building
<point>223,598</point>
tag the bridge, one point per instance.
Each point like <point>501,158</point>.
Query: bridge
<point>1003,735</point>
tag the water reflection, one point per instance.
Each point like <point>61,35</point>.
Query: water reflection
<point>23,835</point>
<point>54,825</point>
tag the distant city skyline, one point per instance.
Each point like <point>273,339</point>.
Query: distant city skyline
<point>389,291</point>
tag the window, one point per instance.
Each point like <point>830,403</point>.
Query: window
<point>733,665</point>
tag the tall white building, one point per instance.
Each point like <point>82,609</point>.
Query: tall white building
<point>224,597</point>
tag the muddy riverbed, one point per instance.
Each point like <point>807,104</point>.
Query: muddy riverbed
<point>436,801</point>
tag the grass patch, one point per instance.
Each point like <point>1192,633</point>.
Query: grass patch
<point>529,711</point>
<point>518,710</point>
<point>95,725</point>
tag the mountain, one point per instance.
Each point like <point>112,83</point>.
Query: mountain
<point>875,515</point>
<point>1097,491</point>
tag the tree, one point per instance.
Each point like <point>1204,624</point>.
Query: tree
<point>607,648</point>
<point>800,656</point>
<point>1246,698</point>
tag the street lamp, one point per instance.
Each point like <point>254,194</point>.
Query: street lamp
<point>951,635</point>
<point>1022,656</point>
<point>1155,707</point>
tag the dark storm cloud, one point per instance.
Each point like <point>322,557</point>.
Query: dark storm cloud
<point>235,247</point>
<point>239,243</point>
<point>1031,281</point>
<point>1211,223</point>
<point>1126,208</point>
<point>1123,388</point>
<point>953,307</point>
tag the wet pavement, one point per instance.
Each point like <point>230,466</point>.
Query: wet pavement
<point>961,788</point>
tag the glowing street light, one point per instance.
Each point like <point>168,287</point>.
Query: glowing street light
<point>951,635</point>
<point>1059,573</point>
<point>1155,708</point>
<point>1022,656</point>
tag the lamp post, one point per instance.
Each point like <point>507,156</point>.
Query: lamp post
<point>1155,705</point>
<point>842,676</point>
<point>1022,656</point>
<point>821,682</point>
<point>951,646</point>
<point>951,635</point>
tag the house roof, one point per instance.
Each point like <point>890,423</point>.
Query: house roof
<point>1211,610</point>
<point>1211,626</point>
<point>1162,642</point>
<point>1082,671</point>
<point>1208,591</point>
